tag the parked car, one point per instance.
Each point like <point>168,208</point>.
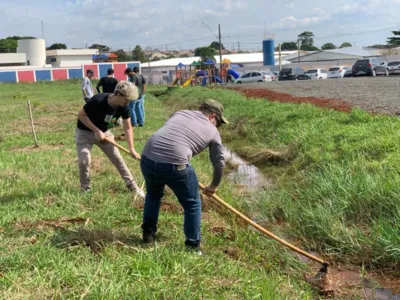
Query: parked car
<point>348,73</point>
<point>254,77</point>
<point>317,74</point>
<point>270,73</point>
<point>394,67</point>
<point>370,67</point>
<point>293,74</point>
<point>337,71</point>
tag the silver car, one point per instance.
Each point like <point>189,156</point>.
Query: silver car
<point>254,77</point>
<point>394,67</point>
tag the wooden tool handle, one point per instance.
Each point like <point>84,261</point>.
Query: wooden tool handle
<point>262,229</point>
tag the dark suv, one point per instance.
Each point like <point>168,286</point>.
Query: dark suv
<point>293,74</point>
<point>370,67</point>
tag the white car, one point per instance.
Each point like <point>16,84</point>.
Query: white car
<point>394,67</point>
<point>316,74</point>
<point>254,77</point>
<point>337,72</point>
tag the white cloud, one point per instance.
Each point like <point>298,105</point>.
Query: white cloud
<point>293,22</point>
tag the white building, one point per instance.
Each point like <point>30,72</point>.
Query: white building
<point>35,51</point>
<point>343,54</point>
<point>70,57</point>
<point>12,59</point>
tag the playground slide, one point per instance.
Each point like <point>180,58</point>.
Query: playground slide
<point>217,79</point>
<point>234,74</point>
<point>187,82</point>
<point>175,81</point>
<point>204,81</point>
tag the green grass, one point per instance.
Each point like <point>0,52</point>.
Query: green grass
<point>100,255</point>
<point>337,181</point>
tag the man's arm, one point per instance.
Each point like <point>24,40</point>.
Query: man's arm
<point>144,84</point>
<point>85,96</point>
<point>99,84</point>
<point>83,117</point>
<point>129,135</point>
<point>218,162</point>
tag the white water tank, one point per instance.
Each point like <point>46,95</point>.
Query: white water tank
<point>35,51</point>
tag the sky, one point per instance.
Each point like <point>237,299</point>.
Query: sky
<point>176,24</point>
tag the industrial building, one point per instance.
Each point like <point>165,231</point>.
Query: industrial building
<point>70,57</point>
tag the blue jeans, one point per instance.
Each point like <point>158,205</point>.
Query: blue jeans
<point>137,112</point>
<point>183,182</point>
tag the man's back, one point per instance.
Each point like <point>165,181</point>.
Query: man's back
<point>185,134</point>
<point>108,84</point>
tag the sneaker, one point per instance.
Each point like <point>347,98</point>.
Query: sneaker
<point>194,250</point>
<point>148,239</point>
<point>86,190</point>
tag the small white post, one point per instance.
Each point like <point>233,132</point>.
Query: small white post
<point>32,125</point>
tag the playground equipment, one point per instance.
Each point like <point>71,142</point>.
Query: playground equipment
<point>227,72</point>
<point>205,73</point>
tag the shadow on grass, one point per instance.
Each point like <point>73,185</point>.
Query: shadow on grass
<point>95,239</point>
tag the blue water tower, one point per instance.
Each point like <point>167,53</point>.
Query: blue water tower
<point>268,52</point>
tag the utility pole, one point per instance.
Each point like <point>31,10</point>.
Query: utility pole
<point>220,46</point>
<point>238,46</point>
<point>42,30</point>
<point>166,47</point>
<point>298,50</point>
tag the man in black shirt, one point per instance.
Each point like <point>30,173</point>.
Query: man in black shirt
<point>107,82</point>
<point>95,119</point>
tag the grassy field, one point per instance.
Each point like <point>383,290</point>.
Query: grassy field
<point>57,243</point>
<point>336,175</point>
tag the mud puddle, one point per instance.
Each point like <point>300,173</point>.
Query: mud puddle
<point>347,282</point>
<point>350,282</point>
<point>245,174</point>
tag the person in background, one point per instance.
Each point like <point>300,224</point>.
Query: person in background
<point>87,89</point>
<point>107,82</point>
<point>136,116</point>
<point>166,161</point>
<point>139,109</point>
<point>95,119</point>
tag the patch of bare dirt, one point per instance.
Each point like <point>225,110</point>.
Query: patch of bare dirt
<point>233,253</point>
<point>33,148</point>
<point>223,232</point>
<point>336,104</point>
<point>97,240</point>
<point>52,223</point>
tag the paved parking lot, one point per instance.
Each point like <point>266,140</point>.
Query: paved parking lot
<point>374,94</point>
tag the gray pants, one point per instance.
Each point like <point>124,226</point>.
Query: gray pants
<point>84,141</point>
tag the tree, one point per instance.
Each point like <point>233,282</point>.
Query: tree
<point>328,46</point>
<point>395,40</point>
<point>215,45</point>
<point>138,54</point>
<point>205,53</point>
<point>185,55</point>
<point>289,46</point>
<point>101,48</point>
<point>379,46</point>
<point>306,40</point>
<point>122,55</point>
<point>10,44</point>
<point>57,46</point>
<point>345,44</point>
